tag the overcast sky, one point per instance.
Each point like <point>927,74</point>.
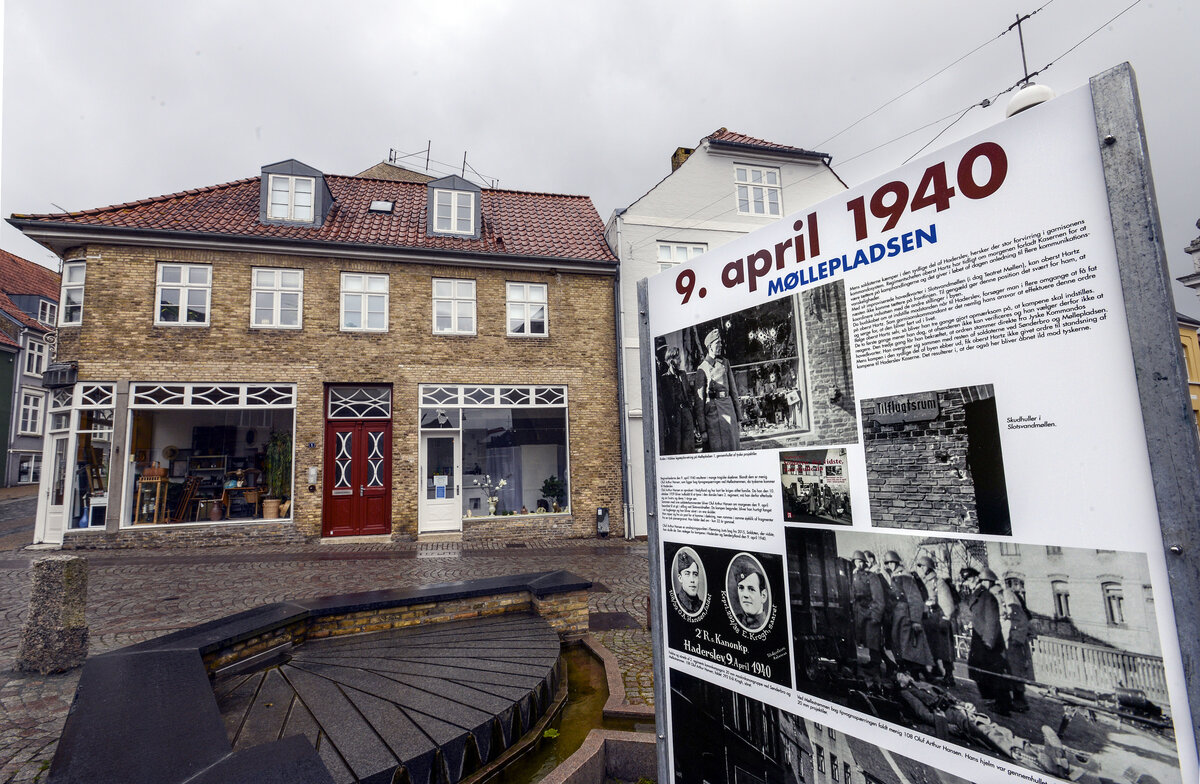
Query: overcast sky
<point>106,102</point>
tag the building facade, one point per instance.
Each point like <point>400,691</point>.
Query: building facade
<point>28,311</point>
<point>727,186</point>
<point>381,357</point>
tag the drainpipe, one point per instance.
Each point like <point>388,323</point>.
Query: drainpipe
<point>619,315</point>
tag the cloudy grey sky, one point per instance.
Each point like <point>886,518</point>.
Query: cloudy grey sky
<point>115,101</point>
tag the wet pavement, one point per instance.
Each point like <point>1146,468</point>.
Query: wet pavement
<point>134,595</point>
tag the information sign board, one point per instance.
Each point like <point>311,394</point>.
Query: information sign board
<point>906,522</point>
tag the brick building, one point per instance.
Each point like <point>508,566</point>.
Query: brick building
<point>934,461</point>
<point>376,353</point>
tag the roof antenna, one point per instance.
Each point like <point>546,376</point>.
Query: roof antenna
<point>428,145</point>
<point>464,168</point>
<point>1030,94</point>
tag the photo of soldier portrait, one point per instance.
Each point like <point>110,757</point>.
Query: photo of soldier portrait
<point>748,592</point>
<point>979,643</point>
<point>775,375</point>
<point>689,582</point>
<point>680,409</point>
<point>814,487</point>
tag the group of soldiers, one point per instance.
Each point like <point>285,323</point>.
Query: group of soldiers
<point>815,499</point>
<point>699,418</point>
<point>907,622</point>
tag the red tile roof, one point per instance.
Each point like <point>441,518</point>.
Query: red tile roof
<point>21,276</point>
<point>724,135</point>
<point>515,223</point>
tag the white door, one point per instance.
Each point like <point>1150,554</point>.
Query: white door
<point>440,508</point>
<point>52,505</point>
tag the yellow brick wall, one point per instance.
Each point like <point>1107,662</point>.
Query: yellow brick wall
<point>119,342</point>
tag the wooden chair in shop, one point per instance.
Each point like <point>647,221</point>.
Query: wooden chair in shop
<point>185,499</point>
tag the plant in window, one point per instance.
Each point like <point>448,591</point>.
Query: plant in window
<point>554,489</point>
<point>279,470</point>
<point>491,490</point>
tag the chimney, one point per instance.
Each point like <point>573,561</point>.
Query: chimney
<point>681,155</point>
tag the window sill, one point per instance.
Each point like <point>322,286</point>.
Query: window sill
<point>184,325</point>
<point>563,513</point>
<point>296,328</point>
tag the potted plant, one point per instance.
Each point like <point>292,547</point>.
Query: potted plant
<point>278,466</point>
<point>554,489</point>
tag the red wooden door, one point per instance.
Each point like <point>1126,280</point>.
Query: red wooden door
<point>358,471</point>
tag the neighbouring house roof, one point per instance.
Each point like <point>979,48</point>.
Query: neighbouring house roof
<point>515,224</point>
<point>385,170</point>
<point>21,276</point>
<point>726,137</point>
<point>10,309</point>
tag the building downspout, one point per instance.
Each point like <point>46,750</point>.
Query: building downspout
<point>619,314</point>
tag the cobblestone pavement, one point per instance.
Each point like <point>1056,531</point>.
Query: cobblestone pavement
<point>138,594</point>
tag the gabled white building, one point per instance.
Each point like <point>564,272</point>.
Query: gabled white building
<point>729,185</point>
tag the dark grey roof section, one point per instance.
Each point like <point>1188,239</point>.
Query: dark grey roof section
<point>797,153</point>
<point>322,197</point>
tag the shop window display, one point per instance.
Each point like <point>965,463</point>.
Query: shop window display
<point>524,447</point>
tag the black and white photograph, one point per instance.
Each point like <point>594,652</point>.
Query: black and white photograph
<point>736,618</point>
<point>772,376</point>
<point>934,461</point>
<point>689,584</point>
<point>1045,657</point>
<point>723,737</point>
<point>748,592</point>
<point>815,487</point>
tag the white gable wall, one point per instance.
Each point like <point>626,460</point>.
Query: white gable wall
<point>695,204</point>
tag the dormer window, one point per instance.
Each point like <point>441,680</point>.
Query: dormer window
<point>453,207</point>
<point>454,212</point>
<point>293,193</point>
<point>292,198</point>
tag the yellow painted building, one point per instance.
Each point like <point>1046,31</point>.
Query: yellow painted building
<point>1189,344</point>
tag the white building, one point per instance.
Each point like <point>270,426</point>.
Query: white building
<point>729,185</point>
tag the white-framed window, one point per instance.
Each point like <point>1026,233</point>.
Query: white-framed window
<point>47,312</point>
<point>183,294</point>
<point>1114,603</point>
<point>526,308</point>
<point>1062,598</point>
<point>35,357</point>
<point>364,302</point>
<point>454,212</point>
<point>73,275</point>
<point>453,306</point>
<point>277,298</point>
<point>672,253</point>
<point>29,469</point>
<point>32,405</point>
<point>758,191</point>
<point>291,198</point>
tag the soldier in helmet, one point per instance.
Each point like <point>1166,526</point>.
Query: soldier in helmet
<point>986,661</point>
<point>719,395</point>
<point>909,645</point>
<point>1015,625</point>
<point>868,615</point>
<point>941,612</point>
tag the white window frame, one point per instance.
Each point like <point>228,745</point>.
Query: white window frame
<point>35,467</point>
<point>33,406</point>
<point>753,187</point>
<point>518,299</point>
<point>47,312</point>
<point>35,357</point>
<point>74,276</point>
<point>458,295</point>
<point>454,200</point>
<point>672,254</point>
<point>185,285</point>
<point>274,287</point>
<point>290,210</point>
<point>363,292</point>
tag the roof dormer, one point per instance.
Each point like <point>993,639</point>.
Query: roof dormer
<point>293,193</point>
<point>453,208</point>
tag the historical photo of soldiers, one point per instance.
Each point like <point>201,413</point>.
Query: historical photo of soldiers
<point>815,487</point>
<point>934,461</point>
<point>772,376</point>
<point>1045,657</point>
<point>689,584</point>
<point>726,606</point>
<point>722,737</point>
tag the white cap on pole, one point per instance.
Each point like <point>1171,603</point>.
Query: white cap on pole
<point>1028,96</point>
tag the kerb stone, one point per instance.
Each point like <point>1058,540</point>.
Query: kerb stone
<point>56,634</point>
